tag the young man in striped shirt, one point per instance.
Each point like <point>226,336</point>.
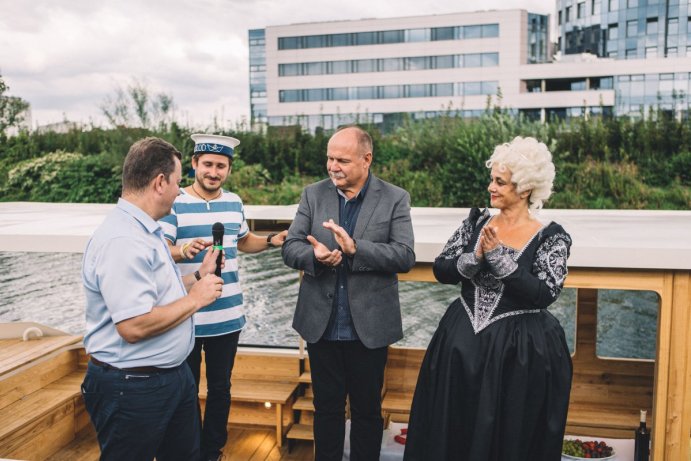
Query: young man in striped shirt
<point>188,231</point>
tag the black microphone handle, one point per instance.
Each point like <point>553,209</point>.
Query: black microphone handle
<point>217,231</point>
<point>218,263</point>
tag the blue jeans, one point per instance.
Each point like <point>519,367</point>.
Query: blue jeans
<point>219,356</point>
<point>139,416</point>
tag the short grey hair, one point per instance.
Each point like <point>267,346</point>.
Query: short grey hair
<point>530,163</point>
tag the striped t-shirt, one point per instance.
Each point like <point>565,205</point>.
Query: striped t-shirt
<point>192,218</point>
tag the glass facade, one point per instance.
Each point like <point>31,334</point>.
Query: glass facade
<point>389,64</point>
<point>257,45</point>
<point>624,29</point>
<point>538,38</point>
<point>427,90</point>
<point>637,94</point>
<point>634,29</point>
<point>385,37</point>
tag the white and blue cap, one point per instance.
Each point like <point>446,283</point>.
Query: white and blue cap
<point>214,144</point>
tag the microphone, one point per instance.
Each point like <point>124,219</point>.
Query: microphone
<point>217,231</point>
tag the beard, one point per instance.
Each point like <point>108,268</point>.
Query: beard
<point>199,179</point>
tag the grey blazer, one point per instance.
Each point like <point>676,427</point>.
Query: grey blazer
<point>384,236</point>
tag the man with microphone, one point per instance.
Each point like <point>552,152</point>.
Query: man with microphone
<point>200,208</point>
<point>138,391</point>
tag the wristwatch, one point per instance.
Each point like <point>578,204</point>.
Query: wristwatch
<point>268,239</point>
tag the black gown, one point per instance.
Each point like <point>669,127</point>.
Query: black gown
<point>495,382</point>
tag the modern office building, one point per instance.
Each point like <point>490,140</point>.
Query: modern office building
<point>624,29</point>
<point>332,73</point>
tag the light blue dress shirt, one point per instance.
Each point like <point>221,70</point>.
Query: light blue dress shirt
<point>127,270</point>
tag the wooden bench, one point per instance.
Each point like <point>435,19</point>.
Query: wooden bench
<point>261,381</point>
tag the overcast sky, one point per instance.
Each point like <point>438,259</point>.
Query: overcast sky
<point>66,56</point>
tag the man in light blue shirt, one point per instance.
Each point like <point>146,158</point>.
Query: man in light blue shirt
<point>139,393</point>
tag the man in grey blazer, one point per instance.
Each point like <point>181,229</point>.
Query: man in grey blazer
<point>351,235</point>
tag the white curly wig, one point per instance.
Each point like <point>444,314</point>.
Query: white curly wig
<point>530,163</point>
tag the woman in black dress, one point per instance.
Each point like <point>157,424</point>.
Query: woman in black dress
<point>495,381</point>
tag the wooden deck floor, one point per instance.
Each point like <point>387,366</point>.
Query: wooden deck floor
<point>244,444</point>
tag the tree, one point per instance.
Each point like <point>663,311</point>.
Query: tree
<point>135,106</point>
<point>12,108</point>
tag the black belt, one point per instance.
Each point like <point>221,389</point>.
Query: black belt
<point>98,363</point>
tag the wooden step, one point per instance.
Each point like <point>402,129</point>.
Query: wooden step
<point>21,382</point>
<point>305,377</point>
<point>304,403</point>
<point>300,432</point>
<point>42,422</point>
<point>397,402</point>
<point>84,447</point>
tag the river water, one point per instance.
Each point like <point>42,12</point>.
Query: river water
<point>46,288</point>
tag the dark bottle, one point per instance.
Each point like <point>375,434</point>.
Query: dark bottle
<point>642,447</point>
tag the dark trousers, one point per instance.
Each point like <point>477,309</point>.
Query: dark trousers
<point>139,416</point>
<point>219,356</point>
<point>340,369</point>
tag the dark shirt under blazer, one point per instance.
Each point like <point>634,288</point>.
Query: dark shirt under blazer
<point>384,235</point>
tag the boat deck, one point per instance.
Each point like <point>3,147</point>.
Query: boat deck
<point>244,444</point>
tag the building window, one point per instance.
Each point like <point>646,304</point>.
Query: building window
<point>567,14</point>
<point>288,43</point>
<point>340,40</point>
<point>672,52</point>
<point>490,30</point>
<point>651,52</point>
<point>288,70</point>
<point>365,38</point>
<point>390,36</point>
<point>365,65</point>
<point>472,60</point>
<point>631,28</point>
<point>470,32</point>
<point>443,89</point>
<point>386,36</point>
<point>442,33</point>
<point>613,32</point>
<point>490,59</point>
<point>340,67</point>
<point>631,53</point>
<point>392,64</point>
<point>417,91</point>
<point>314,68</point>
<point>594,7</point>
<point>672,26</point>
<point>612,5</point>
<point>366,92</point>
<point>632,3</point>
<point>417,35</point>
<point>417,63</point>
<point>559,16</point>
<point>580,11</point>
<point>651,26</point>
